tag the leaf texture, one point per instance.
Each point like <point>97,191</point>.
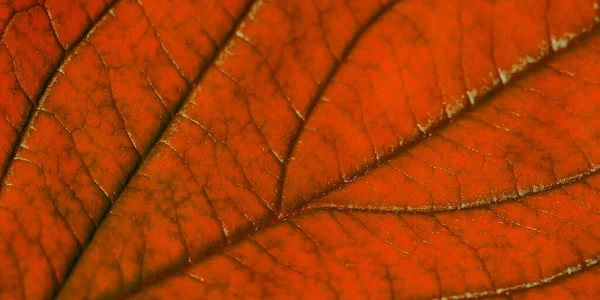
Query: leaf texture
<point>105,106</point>
<point>296,149</point>
<point>35,37</point>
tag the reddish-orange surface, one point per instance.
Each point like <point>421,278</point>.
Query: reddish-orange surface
<point>300,149</point>
<point>35,36</point>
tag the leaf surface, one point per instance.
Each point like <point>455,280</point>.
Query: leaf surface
<point>35,37</point>
<point>103,109</point>
<point>413,149</point>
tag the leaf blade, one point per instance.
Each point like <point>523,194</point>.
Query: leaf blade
<point>200,140</point>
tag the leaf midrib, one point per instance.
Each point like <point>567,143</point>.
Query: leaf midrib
<point>186,96</point>
<point>295,137</point>
<point>307,208</point>
<point>479,101</point>
<point>66,53</point>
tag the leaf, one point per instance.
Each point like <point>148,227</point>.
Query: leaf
<point>103,109</point>
<point>35,37</point>
<point>410,148</point>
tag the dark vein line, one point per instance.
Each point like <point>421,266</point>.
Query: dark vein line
<point>556,277</point>
<point>46,86</point>
<point>518,196</point>
<point>250,188</point>
<point>532,68</point>
<point>321,91</point>
<point>167,274</point>
<point>54,31</point>
<point>180,105</point>
<point>162,45</point>
<point>213,210</point>
<point>114,100</point>
<point>161,277</point>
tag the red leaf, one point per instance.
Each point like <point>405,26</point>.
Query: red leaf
<point>35,38</point>
<point>430,149</point>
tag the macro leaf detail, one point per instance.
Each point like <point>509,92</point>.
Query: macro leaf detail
<point>297,149</point>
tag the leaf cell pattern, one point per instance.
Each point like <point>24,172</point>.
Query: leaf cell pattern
<point>297,149</point>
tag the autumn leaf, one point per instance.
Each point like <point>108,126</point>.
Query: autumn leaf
<point>297,149</point>
<point>35,37</point>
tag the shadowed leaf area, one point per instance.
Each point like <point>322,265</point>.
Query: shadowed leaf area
<point>300,149</point>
